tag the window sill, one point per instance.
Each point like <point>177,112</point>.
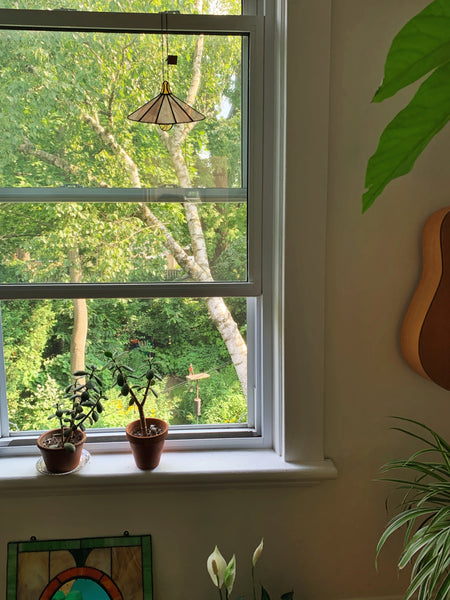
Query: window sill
<point>105,472</point>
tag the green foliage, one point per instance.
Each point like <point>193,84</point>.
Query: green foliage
<point>222,400</point>
<point>424,514</point>
<point>184,6</point>
<point>82,403</point>
<point>184,335</point>
<point>31,410</point>
<point>421,48</point>
<point>50,82</point>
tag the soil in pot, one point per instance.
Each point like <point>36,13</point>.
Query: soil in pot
<point>147,450</point>
<point>58,460</point>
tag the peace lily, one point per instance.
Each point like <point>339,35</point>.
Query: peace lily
<point>221,573</point>
<point>257,553</point>
<point>216,566</point>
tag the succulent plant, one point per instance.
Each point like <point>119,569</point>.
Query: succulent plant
<point>135,385</point>
<point>82,402</point>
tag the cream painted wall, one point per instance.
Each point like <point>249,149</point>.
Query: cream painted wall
<point>320,540</point>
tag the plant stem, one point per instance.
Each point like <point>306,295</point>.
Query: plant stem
<point>62,431</point>
<point>253,583</point>
<point>142,420</point>
<point>147,387</point>
<point>219,588</point>
<point>140,405</point>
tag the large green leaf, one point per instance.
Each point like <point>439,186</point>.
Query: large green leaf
<point>422,45</point>
<point>408,134</point>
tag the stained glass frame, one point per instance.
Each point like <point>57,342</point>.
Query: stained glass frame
<point>106,568</point>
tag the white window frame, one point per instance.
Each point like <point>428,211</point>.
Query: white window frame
<point>257,27</point>
<point>299,197</point>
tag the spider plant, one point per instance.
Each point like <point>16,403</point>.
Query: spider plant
<point>424,513</point>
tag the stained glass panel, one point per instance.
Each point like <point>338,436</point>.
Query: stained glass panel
<point>114,568</point>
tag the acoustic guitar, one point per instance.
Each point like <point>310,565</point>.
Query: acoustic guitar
<point>425,333</point>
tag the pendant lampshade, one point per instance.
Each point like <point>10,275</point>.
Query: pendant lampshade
<point>166,110</point>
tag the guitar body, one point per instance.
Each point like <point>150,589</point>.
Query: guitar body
<point>425,333</point>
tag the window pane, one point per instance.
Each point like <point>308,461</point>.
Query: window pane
<point>66,97</point>
<point>122,242</point>
<point>180,332</point>
<point>207,7</point>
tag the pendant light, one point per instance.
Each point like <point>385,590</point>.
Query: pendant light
<point>166,110</point>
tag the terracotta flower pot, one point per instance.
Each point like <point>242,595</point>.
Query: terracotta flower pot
<point>147,450</point>
<point>58,460</point>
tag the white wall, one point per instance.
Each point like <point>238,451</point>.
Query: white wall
<point>319,540</point>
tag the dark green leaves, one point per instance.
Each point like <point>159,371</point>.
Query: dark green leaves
<point>264,594</point>
<point>408,134</point>
<point>81,403</point>
<point>421,47</point>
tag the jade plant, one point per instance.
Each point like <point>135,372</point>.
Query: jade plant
<point>135,385</point>
<point>82,403</point>
<point>224,575</point>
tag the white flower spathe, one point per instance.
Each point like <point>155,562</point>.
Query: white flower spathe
<point>257,553</point>
<point>216,566</point>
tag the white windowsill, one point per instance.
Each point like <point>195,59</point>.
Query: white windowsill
<point>189,468</point>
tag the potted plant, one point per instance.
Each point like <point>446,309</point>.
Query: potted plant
<point>146,435</point>
<point>61,448</point>
<point>425,514</point>
<point>224,575</point>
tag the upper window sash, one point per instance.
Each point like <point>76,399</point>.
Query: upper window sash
<point>10,291</point>
<point>250,26</point>
<point>60,20</point>
<point>80,194</point>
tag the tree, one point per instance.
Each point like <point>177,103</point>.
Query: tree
<point>64,117</point>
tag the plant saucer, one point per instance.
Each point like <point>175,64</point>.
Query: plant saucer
<point>85,457</point>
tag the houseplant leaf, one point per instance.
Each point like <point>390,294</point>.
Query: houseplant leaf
<point>425,513</point>
<point>422,45</point>
<point>402,519</point>
<point>264,594</point>
<point>444,588</point>
<point>408,134</point>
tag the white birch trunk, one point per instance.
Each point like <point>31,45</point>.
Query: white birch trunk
<point>80,317</point>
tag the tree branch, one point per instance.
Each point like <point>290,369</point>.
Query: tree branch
<point>109,141</point>
<point>192,266</point>
<point>26,147</point>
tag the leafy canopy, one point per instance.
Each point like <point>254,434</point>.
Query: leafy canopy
<point>55,85</point>
<point>421,48</point>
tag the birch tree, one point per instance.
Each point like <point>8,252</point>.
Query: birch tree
<point>70,126</point>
